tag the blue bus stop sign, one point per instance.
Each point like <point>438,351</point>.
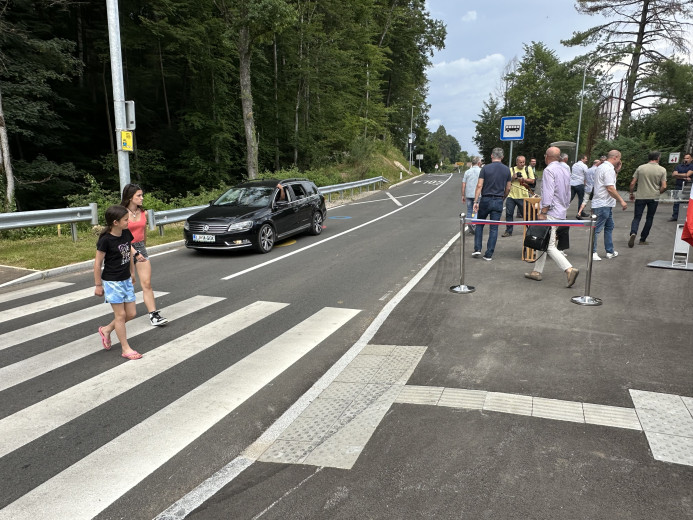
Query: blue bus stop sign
<point>512,128</point>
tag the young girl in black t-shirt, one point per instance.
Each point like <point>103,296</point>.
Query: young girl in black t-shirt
<point>115,253</point>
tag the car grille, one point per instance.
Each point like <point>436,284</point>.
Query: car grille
<point>214,229</point>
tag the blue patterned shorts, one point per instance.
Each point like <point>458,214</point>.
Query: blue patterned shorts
<point>118,292</point>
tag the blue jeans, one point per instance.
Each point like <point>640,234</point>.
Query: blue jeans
<point>640,206</point>
<point>605,221</point>
<point>493,207</point>
<point>675,213</point>
<point>578,190</point>
<point>510,205</point>
<point>470,210</point>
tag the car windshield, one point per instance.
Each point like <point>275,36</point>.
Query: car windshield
<point>255,196</point>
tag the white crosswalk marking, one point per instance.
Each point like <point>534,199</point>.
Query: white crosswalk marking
<point>31,308</point>
<point>10,339</point>
<point>31,423</point>
<point>84,490</point>
<point>30,291</point>
<point>35,366</point>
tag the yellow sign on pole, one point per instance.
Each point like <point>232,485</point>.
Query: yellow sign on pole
<point>126,141</point>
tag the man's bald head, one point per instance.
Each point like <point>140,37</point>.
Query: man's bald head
<point>553,153</point>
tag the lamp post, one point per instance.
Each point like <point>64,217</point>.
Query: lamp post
<point>411,139</point>
<point>582,98</point>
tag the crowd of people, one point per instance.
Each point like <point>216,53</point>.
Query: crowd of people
<point>485,189</point>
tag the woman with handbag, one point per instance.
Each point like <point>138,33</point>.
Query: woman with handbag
<point>555,199</point>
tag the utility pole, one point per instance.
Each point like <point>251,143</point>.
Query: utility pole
<point>118,90</point>
<point>411,139</point>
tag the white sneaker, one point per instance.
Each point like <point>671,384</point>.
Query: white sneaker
<point>156,319</point>
<point>612,255</point>
<point>596,257</point>
<point>476,253</point>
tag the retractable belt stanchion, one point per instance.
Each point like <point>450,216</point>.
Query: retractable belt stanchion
<point>587,299</point>
<point>462,288</point>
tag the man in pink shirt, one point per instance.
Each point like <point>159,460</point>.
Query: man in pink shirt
<point>555,199</point>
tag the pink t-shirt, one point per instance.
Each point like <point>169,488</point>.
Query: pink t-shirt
<point>137,227</point>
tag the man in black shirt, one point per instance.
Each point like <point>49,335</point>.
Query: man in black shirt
<point>491,189</point>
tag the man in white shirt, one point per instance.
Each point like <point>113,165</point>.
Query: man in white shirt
<point>603,202</point>
<point>578,180</point>
<point>471,177</point>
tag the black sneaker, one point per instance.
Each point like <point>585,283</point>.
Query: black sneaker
<point>156,319</point>
<point>631,240</point>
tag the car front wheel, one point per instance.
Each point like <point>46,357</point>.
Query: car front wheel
<point>316,223</point>
<point>265,239</point>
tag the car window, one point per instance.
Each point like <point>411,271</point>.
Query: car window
<point>299,191</point>
<point>310,188</point>
<point>254,196</point>
<point>287,193</point>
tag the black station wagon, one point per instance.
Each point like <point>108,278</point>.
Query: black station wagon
<point>257,214</point>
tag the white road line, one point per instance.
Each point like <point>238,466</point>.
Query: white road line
<point>228,473</point>
<point>315,244</point>
<point>31,308</point>
<point>55,358</point>
<point>30,291</point>
<point>85,489</point>
<point>381,200</point>
<point>392,198</point>
<point>31,423</point>
<point>10,339</point>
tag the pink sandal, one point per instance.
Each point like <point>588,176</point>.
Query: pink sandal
<point>105,340</point>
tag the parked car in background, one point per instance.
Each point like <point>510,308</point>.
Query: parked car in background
<point>257,214</point>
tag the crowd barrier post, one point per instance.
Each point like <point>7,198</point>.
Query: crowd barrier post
<point>462,288</point>
<point>587,299</point>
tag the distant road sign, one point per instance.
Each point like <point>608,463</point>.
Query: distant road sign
<point>512,128</point>
<point>419,156</point>
<point>674,158</point>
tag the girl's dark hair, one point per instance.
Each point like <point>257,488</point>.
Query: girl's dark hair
<point>113,213</point>
<point>128,192</point>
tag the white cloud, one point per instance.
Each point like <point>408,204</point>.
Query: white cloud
<point>460,88</point>
<point>469,17</point>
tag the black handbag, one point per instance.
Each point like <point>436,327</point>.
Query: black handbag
<point>537,237</point>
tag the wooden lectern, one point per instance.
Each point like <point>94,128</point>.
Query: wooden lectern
<point>531,210</point>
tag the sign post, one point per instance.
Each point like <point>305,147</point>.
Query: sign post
<point>512,129</point>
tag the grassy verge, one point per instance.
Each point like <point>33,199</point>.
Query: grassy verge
<point>47,252</point>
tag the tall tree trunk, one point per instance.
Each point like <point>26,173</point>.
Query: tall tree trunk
<point>633,70</point>
<point>244,52</point>
<point>163,82</point>
<point>276,106</point>
<point>5,163</point>
<point>109,123</point>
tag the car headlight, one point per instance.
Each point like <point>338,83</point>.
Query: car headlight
<point>186,226</point>
<point>241,226</point>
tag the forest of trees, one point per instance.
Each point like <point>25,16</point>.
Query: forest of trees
<point>651,107</point>
<point>304,81</point>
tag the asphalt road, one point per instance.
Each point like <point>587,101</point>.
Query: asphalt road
<point>410,402</point>
<point>367,252</point>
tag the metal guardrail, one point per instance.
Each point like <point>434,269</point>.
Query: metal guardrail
<point>169,216</point>
<point>674,196</point>
<point>161,218</point>
<point>50,217</point>
<point>341,188</point>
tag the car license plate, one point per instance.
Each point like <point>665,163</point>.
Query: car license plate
<point>203,238</point>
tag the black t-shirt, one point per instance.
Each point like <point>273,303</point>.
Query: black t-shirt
<point>116,264</point>
<point>496,176</point>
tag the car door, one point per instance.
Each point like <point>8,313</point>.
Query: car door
<point>304,208</point>
<point>284,213</point>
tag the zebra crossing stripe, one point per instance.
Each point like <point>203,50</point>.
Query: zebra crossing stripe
<point>30,291</point>
<point>34,421</point>
<point>10,339</point>
<point>84,489</point>
<point>43,305</point>
<point>21,371</point>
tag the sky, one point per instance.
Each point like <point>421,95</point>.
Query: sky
<point>482,37</point>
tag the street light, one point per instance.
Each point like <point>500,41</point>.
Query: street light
<point>582,98</point>
<point>411,139</point>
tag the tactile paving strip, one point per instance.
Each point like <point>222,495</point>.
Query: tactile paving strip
<point>334,429</point>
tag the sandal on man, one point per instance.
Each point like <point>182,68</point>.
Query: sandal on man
<point>132,355</point>
<point>105,340</point>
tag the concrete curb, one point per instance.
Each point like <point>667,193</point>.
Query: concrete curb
<point>81,266</point>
